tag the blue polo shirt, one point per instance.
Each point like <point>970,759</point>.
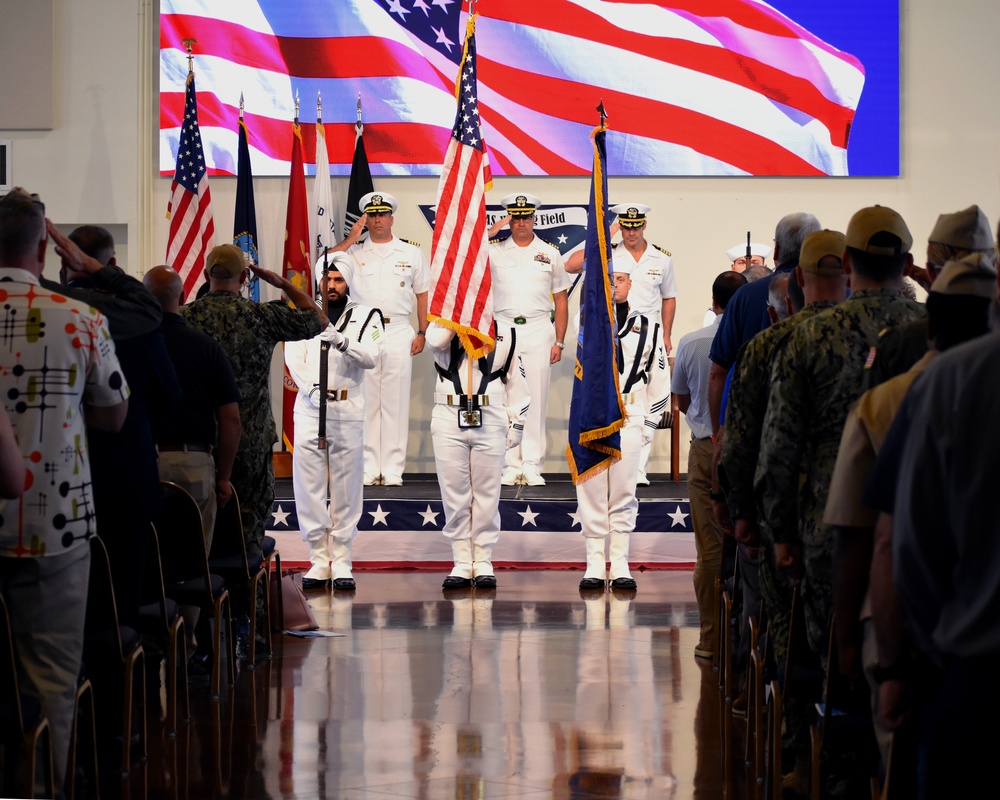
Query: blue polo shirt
<point>745,317</point>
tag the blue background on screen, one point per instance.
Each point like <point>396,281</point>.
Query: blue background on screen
<point>868,30</point>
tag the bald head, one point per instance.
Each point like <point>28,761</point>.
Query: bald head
<point>165,285</point>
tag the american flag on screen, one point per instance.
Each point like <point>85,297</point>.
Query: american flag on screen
<point>192,229</point>
<point>460,267</point>
<point>698,87</point>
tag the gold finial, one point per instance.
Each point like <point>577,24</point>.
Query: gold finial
<point>296,105</point>
<point>241,105</point>
<point>319,107</point>
<point>189,47</point>
<point>602,112</point>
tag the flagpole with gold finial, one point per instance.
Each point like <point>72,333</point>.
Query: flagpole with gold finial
<point>189,47</point>
<point>241,106</point>
<point>358,127</point>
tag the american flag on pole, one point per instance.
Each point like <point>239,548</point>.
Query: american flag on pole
<point>704,87</point>
<point>192,230</point>
<point>460,267</point>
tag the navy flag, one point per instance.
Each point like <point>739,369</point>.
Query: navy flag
<point>245,219</point>
<point>596,412</point>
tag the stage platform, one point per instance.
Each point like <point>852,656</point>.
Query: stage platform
<point>400,527</point>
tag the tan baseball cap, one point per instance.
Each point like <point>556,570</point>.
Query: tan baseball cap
<point>817,246</point>
<point>227,259</point>
<point>869,222</point>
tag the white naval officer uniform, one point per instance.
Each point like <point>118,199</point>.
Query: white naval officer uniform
<point>338,469</point>
<point>524,280</point>
<point>653,282</point>
<point>386,277</point>
<point>469,461</point>
<point>606,503</point>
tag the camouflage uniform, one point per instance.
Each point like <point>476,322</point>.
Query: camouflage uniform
<point>896,350</point>
<point>748,396</point>
<point>815,378</point>
<point>248,333</point>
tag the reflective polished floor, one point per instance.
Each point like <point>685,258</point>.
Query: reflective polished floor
<point>531,690</point>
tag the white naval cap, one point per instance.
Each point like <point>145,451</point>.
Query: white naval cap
<point>630,215</point>
<point>740,251</point>
<point>520,205</point>
<point>378,203</point>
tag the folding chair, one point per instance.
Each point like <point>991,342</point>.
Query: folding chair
<point>113,653</point>
<point>186,575</point>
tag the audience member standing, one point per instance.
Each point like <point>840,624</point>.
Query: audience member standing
<point>44,547</point>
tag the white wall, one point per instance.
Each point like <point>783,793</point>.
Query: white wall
<point>99,165</point>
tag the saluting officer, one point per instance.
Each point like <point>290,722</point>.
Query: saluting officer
<point>351,346</point>
<point>388,273</point>
<point>607,502</point>
<point>529,280</point>
<point>472,426</point>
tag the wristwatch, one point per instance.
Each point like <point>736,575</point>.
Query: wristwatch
<point>561,345</point>
<point>421,333</point>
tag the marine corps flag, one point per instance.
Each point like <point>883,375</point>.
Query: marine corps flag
<point>596,412</point>
<point>296,262</point>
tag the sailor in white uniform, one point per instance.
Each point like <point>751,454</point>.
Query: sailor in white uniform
<point>351,345</point>
<point>607,503</point>
<point>389,273</point>
<point>529,291</point>
<point>472,425</point>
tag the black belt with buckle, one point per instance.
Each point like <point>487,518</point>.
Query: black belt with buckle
<point>184,448</point>
<point>519,320</point>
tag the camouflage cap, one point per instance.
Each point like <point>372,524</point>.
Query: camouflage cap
<point>966,230</point>
<point>819,245</point>
<point>868,223</point>
<point>225,261</point>
<point>972,276</point>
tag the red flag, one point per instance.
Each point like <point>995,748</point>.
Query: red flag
<point>296,262</point>
<point>460,266</point>
<point>192,231</point>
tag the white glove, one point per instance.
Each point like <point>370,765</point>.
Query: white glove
<point>647,434</point>
<point>333,336</point>
<point>514,437</point>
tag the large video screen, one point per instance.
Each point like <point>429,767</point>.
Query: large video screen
<point>691,87</point>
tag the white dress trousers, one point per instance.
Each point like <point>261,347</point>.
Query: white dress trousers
<point>469,461</point>
<point>387,276</point>
<point>524,280</point>
<point>337,471</point>
<point>607,502</point>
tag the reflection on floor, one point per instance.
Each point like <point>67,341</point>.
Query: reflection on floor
<point>532,690</point>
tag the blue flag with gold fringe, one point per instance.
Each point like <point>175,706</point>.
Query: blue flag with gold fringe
<point>596,413</point>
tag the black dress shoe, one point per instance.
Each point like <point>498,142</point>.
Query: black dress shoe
<point>592,584</point>
<point>344,584</point>
<point>486,582</point>
<point>311,584</point>
<point>455,582</point>
<point>627,584</point>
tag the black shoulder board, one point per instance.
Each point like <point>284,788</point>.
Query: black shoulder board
<point>417,244</point>
<point>662,250</point>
